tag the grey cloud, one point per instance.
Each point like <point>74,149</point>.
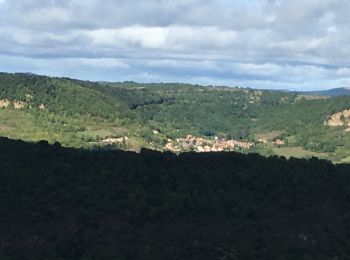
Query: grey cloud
<point>90,14</point>
<point>266,42</point>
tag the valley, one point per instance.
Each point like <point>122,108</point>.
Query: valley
<point>173,117</point>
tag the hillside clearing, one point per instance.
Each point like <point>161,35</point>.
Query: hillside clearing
<point>296,152</point>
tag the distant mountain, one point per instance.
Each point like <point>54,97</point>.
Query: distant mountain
<point>335,92</point>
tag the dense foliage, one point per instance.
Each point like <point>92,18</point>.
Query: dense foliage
<point>63,203</point>
<point>81,114</point>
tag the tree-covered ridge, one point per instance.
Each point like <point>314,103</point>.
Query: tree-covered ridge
<point>61,96</point>
<point>82,113</point>
<point>63,203</point>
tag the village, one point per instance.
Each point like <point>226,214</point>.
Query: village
<point>199,144</point>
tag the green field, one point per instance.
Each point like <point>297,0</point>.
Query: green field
<point>297,152</point>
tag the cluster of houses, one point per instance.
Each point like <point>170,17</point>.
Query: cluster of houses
<point>113,140</point>
<point>199,144</point>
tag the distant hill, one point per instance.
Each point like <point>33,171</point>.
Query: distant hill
<point>335,92</point>
<point>171,116</point>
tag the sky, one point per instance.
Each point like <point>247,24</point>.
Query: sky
<point>278,44</point>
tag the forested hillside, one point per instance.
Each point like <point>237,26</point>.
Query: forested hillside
<point>176,117</point>
<point>63,203</point>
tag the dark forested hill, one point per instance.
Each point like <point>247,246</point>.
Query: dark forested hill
<point>63,203</point>
<point>176,117</point>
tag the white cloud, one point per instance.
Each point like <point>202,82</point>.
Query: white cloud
<point>137,36</point>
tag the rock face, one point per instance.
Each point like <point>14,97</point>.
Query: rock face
<point>200,144</point>
<point>18,104</point>
<point>4,103</point>
<point>339,119</point>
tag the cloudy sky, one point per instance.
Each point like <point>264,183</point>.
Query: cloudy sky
<point>284,44</point>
